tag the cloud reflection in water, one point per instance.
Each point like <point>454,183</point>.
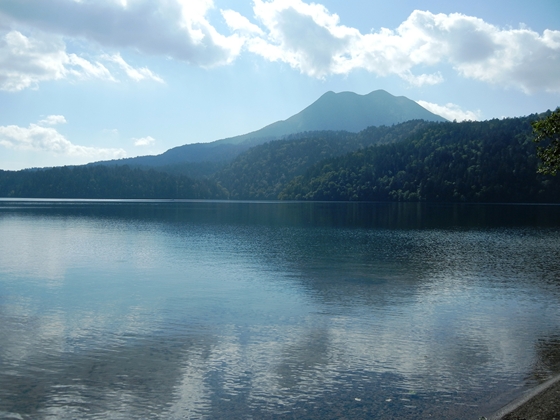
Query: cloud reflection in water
<point>196,311</point>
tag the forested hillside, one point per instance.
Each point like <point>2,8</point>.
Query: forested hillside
<point>489,161</point>
<point>104,182</point>
<point>263,172</point>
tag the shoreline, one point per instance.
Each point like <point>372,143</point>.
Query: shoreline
<point>539,403</point>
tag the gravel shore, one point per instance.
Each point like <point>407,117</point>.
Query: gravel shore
<point>541,403</point>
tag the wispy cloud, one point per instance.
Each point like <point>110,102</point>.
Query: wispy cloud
<point>53,120</point>
<point>450,111</point>
<point>37,138</point>
<point>136,74</point>
<point>26,61</point>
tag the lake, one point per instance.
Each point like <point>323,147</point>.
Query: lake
<point>193,310</point>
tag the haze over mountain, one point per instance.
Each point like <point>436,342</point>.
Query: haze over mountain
<point>345,111</point>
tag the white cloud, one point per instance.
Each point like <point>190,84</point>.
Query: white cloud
<point>450,111</point>
<point>25,61</point>
<point>144,141</point>
<point>84,69</point>
<point>306,36</point>
<point>518,58</point>
<point>423,79</point>
<point>53,120</point>
<point>311,39</point>
<point>172,28</point>
<point>47,139</point>
<point>238,22</point>
<point>134,73</point>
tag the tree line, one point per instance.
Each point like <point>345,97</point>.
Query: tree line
<point>488,161</point>
<point>105,182</point>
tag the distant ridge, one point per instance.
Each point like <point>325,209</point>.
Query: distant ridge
<point>344,111</point>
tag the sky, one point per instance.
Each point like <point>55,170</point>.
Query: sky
<point>90,80</point>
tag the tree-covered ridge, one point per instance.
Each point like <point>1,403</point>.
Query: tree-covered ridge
<point>490,161</point>
<point>119,182</point>
<point>261,173</point>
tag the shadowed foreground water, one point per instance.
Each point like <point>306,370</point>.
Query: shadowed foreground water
<point>274,310</point>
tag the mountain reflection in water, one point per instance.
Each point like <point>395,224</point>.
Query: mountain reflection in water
<point>284,310</point>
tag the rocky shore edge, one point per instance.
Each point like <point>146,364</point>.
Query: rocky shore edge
<point>539,403</point>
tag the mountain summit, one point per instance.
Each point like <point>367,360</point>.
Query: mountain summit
<point>344,111</point>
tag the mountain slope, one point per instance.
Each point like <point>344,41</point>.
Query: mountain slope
<point>263,171</point>
<point>345,111</point>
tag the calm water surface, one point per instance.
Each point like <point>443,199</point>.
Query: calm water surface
<point>180,310</point>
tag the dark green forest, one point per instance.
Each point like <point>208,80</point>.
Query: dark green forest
<point>263,172</point>
<point>488,161</point>
<point>104,182</point>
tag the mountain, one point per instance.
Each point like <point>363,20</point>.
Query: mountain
<point>345,111</point>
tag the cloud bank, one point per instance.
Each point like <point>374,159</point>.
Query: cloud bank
<point>306,36</point>
<point>38,138</point>
<point>311,39</point>
<point>450,111</point>
<point>172,28</point>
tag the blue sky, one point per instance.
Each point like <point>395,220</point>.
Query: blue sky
<point>88,80</point>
